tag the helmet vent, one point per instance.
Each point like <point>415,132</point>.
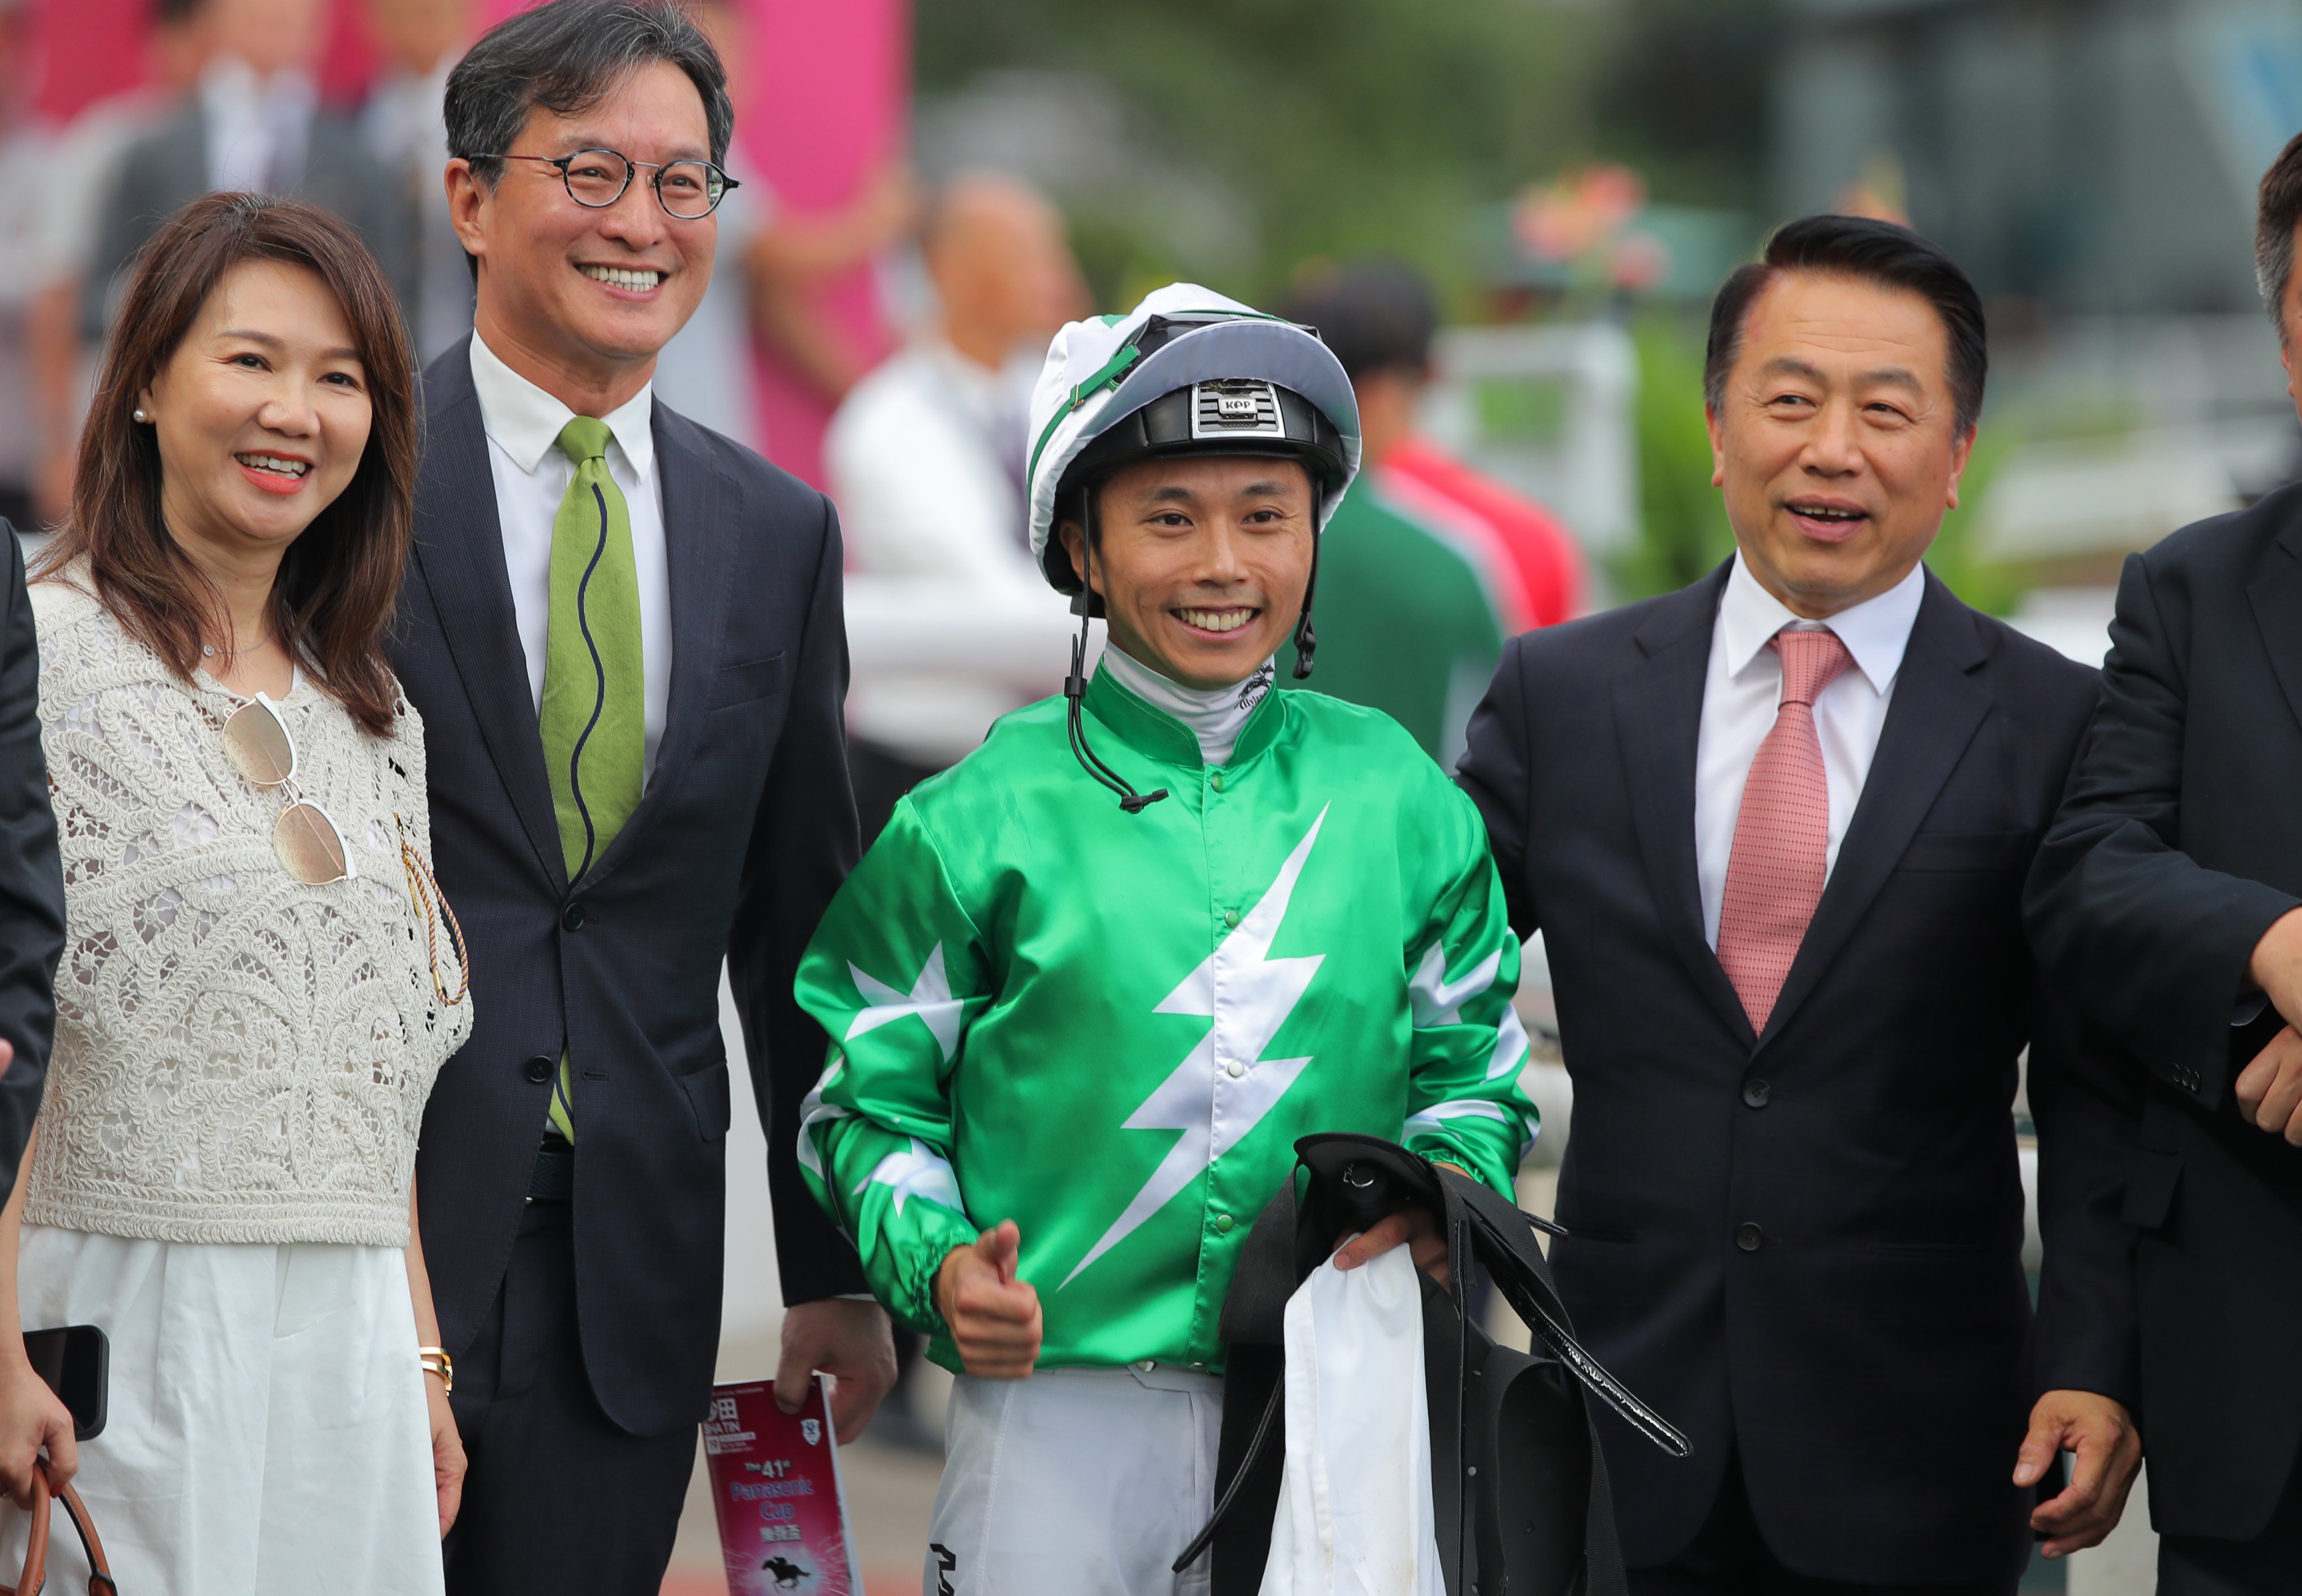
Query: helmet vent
<point>1233,409</point>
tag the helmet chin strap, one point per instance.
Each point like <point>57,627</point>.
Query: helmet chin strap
<point>1307,641</point>
<point>1075,684</point>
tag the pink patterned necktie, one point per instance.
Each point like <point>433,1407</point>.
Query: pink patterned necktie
<point>1782,833</point>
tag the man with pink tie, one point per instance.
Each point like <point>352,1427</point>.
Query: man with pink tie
<point>1778,824</point>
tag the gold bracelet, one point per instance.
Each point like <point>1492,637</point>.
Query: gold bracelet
<point>436,1361</point>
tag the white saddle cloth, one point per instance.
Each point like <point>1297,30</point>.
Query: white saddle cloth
<point>1355,1511</point>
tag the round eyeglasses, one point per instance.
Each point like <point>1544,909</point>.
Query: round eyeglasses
<point>689,190</point>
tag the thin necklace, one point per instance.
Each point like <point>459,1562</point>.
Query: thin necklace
<point>208,650</point>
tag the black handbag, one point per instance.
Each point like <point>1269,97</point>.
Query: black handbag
<point>1518,1482</point>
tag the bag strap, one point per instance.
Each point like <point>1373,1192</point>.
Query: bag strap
<point>36,1549</point>
<point>1254,1330</point>
<point>100,1567</point>
<point>45,1487</point>
<point>1523,1278</point>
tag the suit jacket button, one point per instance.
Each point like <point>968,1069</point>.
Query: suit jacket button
<point>1755,1094</point>
<point>539,1068</point>
<point>1749,1237</point>
<point>572,917</point>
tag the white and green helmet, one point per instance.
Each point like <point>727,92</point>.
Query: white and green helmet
<point>1186,372</point>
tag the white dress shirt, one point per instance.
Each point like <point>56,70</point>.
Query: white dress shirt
<point>407,132</point>
<point>1743,689</point>
<point>925,459</point>
<point>523,425</point>
<point>258,130</point>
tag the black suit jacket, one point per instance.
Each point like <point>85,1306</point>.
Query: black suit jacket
<point>745,832</point>
<point>168,168</point>
<point>31,875</point>
<point>1866,1345</point>
<point>2180,844</point>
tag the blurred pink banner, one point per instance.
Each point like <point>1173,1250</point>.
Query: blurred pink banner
<point>827,99</point>
<point>832,89</point>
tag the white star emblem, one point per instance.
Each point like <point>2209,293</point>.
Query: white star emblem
<point>930,1000</point>
<point>917,1171</point>
<point>1437,1001</point>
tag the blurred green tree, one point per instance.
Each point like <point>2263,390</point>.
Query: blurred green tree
<point>1341,127</point>
<point>1683,528</point>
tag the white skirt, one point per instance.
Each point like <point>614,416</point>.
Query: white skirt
<point>267,1429</point>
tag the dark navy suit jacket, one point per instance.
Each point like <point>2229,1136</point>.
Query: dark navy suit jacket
<point>1867,1348</point>
<point>746,829</point>
<point>2179,845</point>
<point>32,877</point>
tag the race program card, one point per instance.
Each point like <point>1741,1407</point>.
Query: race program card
<point>775,1483</point>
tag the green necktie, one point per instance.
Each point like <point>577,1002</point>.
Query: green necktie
<point>594,715</point>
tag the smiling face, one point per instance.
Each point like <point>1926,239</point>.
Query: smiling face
<point>579,300</point>
<point>1835,441</point>
<point>262,414</point>
<point>1202,562</point>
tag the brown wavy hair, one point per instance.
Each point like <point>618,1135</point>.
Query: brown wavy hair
<point>332,600</point>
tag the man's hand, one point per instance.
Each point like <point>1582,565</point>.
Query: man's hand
<point>2109,1450</point>
<point>848,1341</point>
<point>995,1318</point>
<point>447,1462</point>
<point>2269,1090</point>
<point>31,1417</point>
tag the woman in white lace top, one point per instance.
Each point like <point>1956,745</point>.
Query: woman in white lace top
<point>260,981</point>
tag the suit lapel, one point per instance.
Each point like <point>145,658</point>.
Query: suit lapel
<point>2276,597</point>
<point>459,550</point>
<point>1937,706</point>
<point>699,535</point>
<point>1657,725</point>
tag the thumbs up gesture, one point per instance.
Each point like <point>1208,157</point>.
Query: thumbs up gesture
<point>994,1317</point>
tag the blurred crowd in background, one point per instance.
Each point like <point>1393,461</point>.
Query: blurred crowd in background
<point>1506,214</point>
<point>1507,217</point>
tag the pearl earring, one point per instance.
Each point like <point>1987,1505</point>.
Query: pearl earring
<point>141,416</point>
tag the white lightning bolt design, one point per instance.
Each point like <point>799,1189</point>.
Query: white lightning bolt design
<point>1248,995</point>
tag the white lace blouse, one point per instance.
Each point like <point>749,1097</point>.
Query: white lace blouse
<point>239,1057</point>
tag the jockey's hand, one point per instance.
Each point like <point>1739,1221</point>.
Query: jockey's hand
<point>994,1317</point>
<point>1415,1228</point>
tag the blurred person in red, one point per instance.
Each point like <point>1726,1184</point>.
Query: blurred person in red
<point>419,42</point>
<point>926,460</point>
<point>771,263</point>
<point>1416,595</point>
<point>1540,571</point>
<point>83,165</point>
<point>253,123</point>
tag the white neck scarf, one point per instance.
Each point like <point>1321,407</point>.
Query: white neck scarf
<point>1216,715</point>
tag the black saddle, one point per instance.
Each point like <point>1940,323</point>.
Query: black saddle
<point>1518,1482</point>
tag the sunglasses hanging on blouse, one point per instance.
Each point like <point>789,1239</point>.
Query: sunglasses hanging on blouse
<point>307,843</point>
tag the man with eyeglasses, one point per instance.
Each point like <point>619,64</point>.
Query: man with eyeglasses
<point>625,635</point>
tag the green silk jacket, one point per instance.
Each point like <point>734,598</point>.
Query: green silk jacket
<point>1112,1028</point>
